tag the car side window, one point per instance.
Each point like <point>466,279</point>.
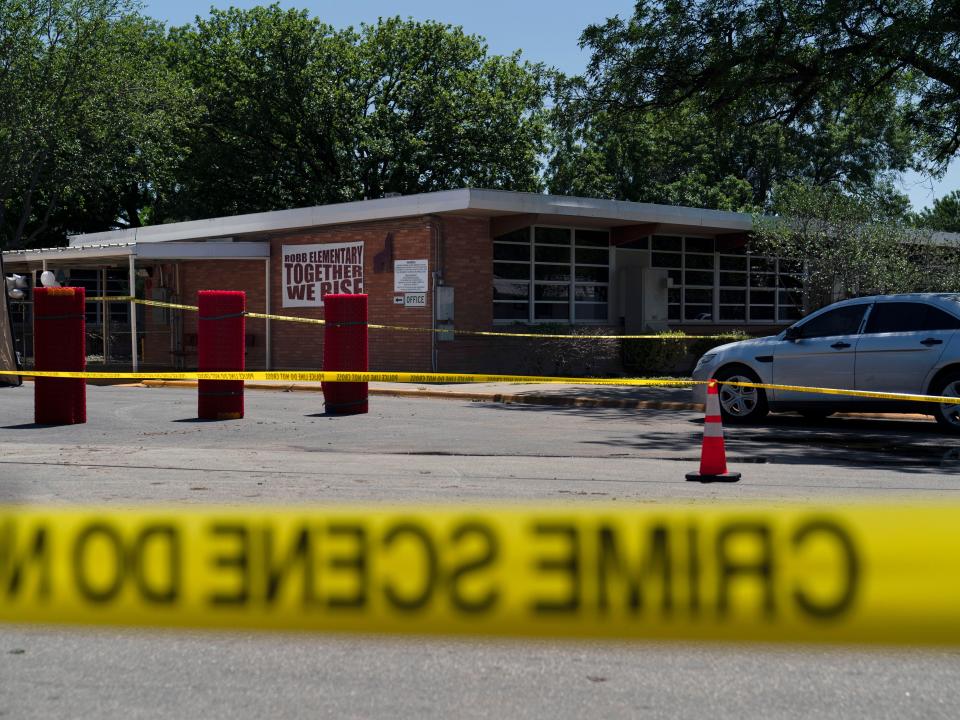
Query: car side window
<point>842,321</point>
<point>938,319</point>
<point>889,317</point>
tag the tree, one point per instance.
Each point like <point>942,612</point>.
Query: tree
<point>297,113</point>
<point>277,116</point>
<point>944,215</point>
<point>673,158</point>
<point>644,116</point>
<point>853,245</point>
<point>437,112</point>
<point>727,51</point>
<point>86,121</point>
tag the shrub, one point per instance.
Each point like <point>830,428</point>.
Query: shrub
<point>677,352</point>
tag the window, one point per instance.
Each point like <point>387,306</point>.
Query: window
<point>939,320</point>
<point>719,281</point>
<point>896,317</point>
<point>551,274</point>
<point>890,317</point>
<point>548,274</point>
<point>842,321</point>
<point>511,276</point>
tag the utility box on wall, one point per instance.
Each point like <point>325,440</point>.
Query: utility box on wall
<point>444,309</point>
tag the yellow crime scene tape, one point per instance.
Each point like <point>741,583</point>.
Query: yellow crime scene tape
<point>342,376</point>
<point>402,328</point>
<point>861,574</point>
<point>452,378</point>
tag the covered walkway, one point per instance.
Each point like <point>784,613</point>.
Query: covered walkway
<point>121,333</point>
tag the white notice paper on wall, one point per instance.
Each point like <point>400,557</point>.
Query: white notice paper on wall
<point>410,276</point>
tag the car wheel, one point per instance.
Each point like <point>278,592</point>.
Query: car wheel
<point>948,416</point>
<point>815,415</point>
<point>740,405</point>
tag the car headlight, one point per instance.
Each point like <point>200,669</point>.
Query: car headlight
<point>706,359</point>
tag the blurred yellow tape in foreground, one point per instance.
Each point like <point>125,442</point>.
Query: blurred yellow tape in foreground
<point>833,574</point>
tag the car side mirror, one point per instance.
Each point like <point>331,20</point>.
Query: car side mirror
<point>793,333</point>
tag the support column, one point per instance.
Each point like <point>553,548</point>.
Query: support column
<point>133,314</point>
<point>105,316</point>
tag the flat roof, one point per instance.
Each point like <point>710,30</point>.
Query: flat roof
<point>236,237</point>
<point>103,253</point>
<point>482,203</point>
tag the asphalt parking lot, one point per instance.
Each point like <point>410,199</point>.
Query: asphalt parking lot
<point>144,446</point>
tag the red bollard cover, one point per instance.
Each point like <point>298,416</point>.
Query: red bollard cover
<point>221,328</point>
<point>345,348</point>
<point>60,337</point>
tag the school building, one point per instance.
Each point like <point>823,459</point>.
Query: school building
<point>470,260</point>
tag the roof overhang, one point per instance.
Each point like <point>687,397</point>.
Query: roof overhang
<point>481,203</point>
<point>120,253</point>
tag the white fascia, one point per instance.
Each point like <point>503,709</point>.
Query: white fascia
<point>286,220</point>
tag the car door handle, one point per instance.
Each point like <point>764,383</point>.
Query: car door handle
<point>840,345</point>
<point>931,341</point>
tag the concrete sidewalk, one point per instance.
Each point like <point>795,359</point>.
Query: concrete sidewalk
<point>560,394</point>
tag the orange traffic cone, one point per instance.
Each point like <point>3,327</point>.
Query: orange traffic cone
<point>713,457</point>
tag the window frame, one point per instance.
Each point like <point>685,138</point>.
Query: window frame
<point>783,313</point>
<point>867,310</point>
<point>571,284</point>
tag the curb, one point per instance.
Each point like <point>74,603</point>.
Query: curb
<point>552,400</point>
<point>549,400</point>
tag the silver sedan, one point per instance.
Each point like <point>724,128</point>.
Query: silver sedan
<point>886,343</point>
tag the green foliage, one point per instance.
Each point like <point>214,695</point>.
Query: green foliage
<point>674,353</point>
<point>672,110</point>
<point>107,120</point>
<point>585,355</point>
<point>853,245</point>
<point>437,112</point>
<point>944,215</point>
<point>672,158</point>
<point>277,114</point>
<point>800,62</point>
<point>90,117</point>
<point>297,113</point>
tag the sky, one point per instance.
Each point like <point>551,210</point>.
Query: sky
<point>544,30</point>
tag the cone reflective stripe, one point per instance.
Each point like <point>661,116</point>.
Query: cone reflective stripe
<point>713,456</point>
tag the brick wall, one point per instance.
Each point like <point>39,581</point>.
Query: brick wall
<point>299,346</point>
<point>196,275</point>
<point>467,267</point>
